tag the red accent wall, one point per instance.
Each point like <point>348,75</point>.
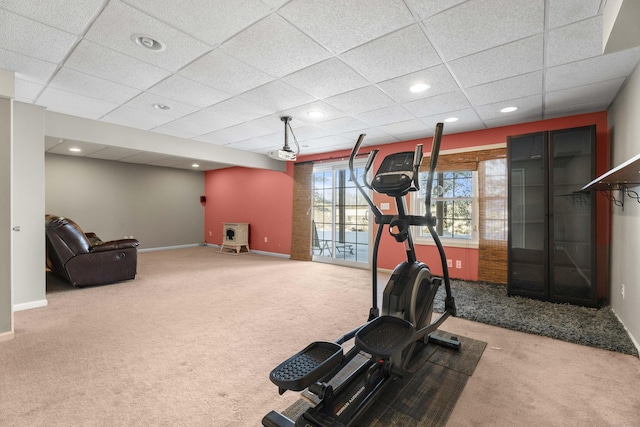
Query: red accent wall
<point>264,198</point>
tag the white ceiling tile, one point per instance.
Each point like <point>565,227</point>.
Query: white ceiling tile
<point>410,129</point>
<point>373,136</point>
<point>513,120</point>
<point>212,21</point>
<point>301,114</point>
<point>385,116</point>
<point>113,153</point>
<point>185,127</point>
<point>26,68</point>
<point>443,103</point>
<point>326,141</point>
<point>520,57</point>
<point>401,52</point>
<point>262,143</point>
<point>437,77</point>
<point>146,102</point>
<point>602,91</point>
<point>62,14</point>
<point>563,12</point>
<point>278,95</point>
<point>327,78</point>
<point>243,131</point>
<point>305,132</point>
<point>73,81</point>
<point>85,148</point>
<point>573,110</point>
<point>467,118</point>
<point>575,42</point>
<point>530,105</point>
<point>99,61</point>
<point>188,91</point>
<point>27,91</point>
<point>475,26</point>
<point>427,8</point>
<point>341,25</point>
<point>360,100</point>
<point>228,113</point>
<point>146,157</point>
<point>28,37</point>
<point>227,74</point>
<point>135,118</point>
<point>72,103</point>
<point>510,88</point>
<point>592,70</point>
<point>275,47</point>
<point>344,124</point>
<point>118,24</point>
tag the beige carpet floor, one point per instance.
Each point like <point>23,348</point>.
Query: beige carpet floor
<point>192,340</point>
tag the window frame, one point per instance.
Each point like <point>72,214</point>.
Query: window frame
<point>426,239</point>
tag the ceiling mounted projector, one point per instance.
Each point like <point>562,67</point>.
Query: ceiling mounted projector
<point>286,154</point>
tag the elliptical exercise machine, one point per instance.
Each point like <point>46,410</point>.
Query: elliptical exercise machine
<point>391,338</point>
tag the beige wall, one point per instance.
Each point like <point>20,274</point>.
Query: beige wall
<point>625,237</point>
<point>29,283</point>
<point>6,311</point>
<point>158,206</point>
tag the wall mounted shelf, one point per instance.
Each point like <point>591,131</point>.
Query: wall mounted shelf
<point>620,178</point>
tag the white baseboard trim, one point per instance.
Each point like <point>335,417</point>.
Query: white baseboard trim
<point>29,305</point>
<point>6,336</point>
<point>166,248</point>
<point>253,251</point>
<point>276,254</point>
<point>633,339</point>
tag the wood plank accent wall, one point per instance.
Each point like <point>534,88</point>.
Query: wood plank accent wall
<point>491,166</point>
<point>301,222</point>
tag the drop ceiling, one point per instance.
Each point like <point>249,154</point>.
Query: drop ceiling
<point>228,70</point>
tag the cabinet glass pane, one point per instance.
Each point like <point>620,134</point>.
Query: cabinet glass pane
<point>527,214</point>
<point>571,234</point>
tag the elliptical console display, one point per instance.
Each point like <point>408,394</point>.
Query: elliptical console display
<point>390,338</point>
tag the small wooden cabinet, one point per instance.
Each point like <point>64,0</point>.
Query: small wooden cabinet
<point>235,236</point>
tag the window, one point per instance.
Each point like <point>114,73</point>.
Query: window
<point>453,203</point>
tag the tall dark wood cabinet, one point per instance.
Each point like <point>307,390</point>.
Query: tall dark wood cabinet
<point>552,227</point>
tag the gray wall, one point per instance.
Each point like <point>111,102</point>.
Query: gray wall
<point>29,282</point>
<point>6,315</point>
<point>158,206</point>
<point>625,233</point>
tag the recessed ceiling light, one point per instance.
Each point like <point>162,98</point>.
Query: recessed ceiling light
<point>315,114</point>
<point>148,42</point>
<point>161,107</point>
<point>508,109</point>
<point>419,87</point>
<point>195,165</point>
<point>451,119</point>
<point>75,149</point>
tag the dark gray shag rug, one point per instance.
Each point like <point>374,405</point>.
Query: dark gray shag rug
<point>488,303</point>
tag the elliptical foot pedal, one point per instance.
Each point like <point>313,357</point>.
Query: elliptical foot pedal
<point>307,366</point>
<point>384,336</point>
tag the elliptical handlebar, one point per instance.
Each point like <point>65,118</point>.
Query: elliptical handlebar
<point>372,155</point>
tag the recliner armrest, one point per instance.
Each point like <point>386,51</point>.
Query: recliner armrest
<point>115,245</point>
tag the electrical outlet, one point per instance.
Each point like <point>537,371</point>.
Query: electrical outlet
<point>209,233</point>
<point>265,240</point>
<point>449,263</point>
<point>458,263</point>
<point>622,291</point>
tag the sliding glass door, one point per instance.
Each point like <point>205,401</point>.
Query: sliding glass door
<point>340,216</point>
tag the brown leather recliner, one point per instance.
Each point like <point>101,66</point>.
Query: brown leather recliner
<point>82,261</point>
